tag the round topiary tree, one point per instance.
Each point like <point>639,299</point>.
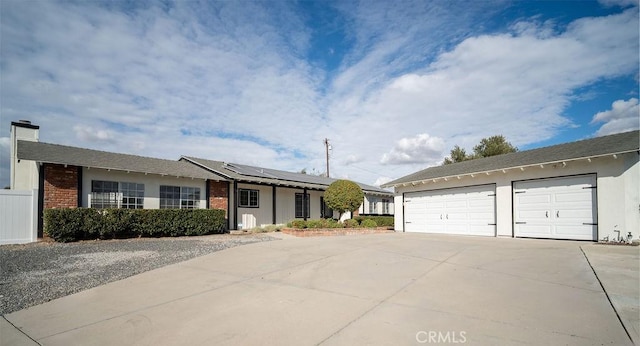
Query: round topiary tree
<point>343,196</point>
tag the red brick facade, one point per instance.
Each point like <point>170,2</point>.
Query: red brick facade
<point>60,186</point>
<point>219,195</point>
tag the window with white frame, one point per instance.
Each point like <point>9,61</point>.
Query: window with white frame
<point>190,197</point>
<point>385,206</point>
<point>302,208</point>
<point>113,194</point>
<point>179,197</point>
<point>132,195</point>
<point>248,198</point>
<point>373,204</point>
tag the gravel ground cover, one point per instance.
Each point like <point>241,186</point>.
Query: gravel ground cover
<point>36,273</point>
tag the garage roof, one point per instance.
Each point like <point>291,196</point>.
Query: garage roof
<point>252,174</point>
<point>65,155</point>
<point>584,149</point>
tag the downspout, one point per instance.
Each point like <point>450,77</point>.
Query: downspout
<point>41,201</point>
<point>235,204</point>
<point>305,210</point>
<point>79,202</point>
<point>228,205</point>
<point>274,203</point>
<point>207,192</point>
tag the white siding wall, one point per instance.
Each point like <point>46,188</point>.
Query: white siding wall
<point>261,216</point>
<point>151,183</point>
<point>618,191</point>
<point>365,208</point>
<point>398,216</point>
<point>286,204</point>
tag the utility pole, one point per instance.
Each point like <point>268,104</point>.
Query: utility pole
<point>327,147</point>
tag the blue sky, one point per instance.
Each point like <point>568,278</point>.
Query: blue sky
<point>393,85</point>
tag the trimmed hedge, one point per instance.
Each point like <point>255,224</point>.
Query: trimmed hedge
<point>351,223</point>
<point>72,224</point>
<point>315,223</point>
<point>368,223</point>
<point>381,221</point>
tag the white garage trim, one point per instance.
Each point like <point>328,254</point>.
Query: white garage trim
<point>556,208</point>
<point>469,210</point>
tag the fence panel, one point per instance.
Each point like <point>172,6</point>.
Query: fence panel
<point>18,216</point>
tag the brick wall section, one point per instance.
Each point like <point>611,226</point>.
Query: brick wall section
<point>60,186</point>
<point>219,195</point>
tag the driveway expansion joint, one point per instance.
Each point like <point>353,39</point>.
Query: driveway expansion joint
<point>607,295</point>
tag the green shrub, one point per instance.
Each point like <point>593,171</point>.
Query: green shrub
<point>343,195</point>
<point>382,221</point>
<point>65,225</point>
<point>351,223</point>
<point>331,223</point>
<point>320,223</point>
<point>299,224</point>
<point>368,223</point>
<point>267,228</point>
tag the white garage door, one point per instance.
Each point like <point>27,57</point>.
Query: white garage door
<point>466,210</point>
<point>558,208</point>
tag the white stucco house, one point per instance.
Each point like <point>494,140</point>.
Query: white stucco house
<point>584,190</point>
<point>69,177</point>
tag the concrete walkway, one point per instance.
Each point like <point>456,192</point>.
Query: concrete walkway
<point>618,268</point>
<point>392,289</point>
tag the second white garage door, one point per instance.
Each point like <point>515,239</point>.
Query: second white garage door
<point>558,208</point>
<point>467,210</point>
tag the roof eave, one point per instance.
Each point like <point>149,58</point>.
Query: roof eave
<point>503,170</point>
<point>53,162</point>
<point>203,166</point>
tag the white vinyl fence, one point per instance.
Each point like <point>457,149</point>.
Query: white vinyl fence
<point>18,216</point>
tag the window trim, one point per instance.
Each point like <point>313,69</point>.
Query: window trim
<point>249,205</point>
<point>386,206</point>
<point>180,200</point>
<point>373,202</point>
<point>116,202</point>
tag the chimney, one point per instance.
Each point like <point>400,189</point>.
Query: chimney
<point>24,173</point>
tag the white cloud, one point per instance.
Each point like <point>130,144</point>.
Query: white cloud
<point>623,116</point>
<point>89,134</point>
<point>419,149</point>
<point>515,85</point>
<point>230,81</point>
<point>351,159</point>
<point>382,180</point>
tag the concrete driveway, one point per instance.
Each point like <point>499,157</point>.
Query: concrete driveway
<point>393,289</point>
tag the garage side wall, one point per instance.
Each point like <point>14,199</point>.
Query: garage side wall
<point>618,199</point>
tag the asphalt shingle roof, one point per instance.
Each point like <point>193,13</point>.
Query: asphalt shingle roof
<point>66,155</point>
<point>588,148</point>
<point>273,176</point>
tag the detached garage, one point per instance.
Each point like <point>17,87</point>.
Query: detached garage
<point>579,191</point>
